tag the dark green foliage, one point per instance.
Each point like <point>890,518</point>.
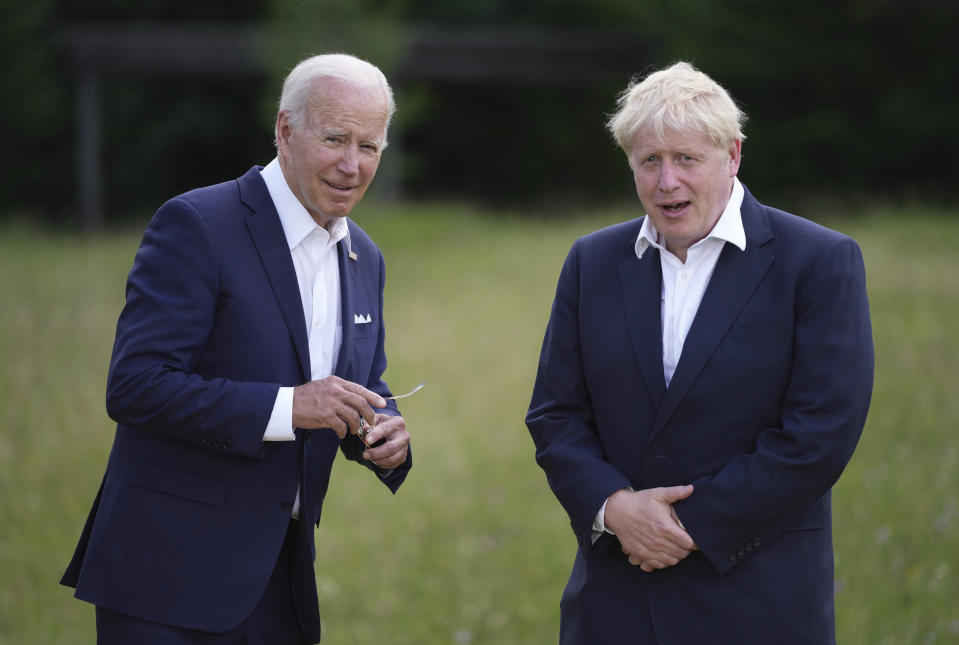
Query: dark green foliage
<point>846,99</point>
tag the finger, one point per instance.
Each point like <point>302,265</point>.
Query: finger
<point>658,561</point>
<point>681,540</point>
<point>379,432</point>
<point>668,542</point>
<point>340,427</point>
<point>647,565</point>
<point>372,398</point>
<point>390,428</point>
<point>390,453</point>
<point>390,461</point>
<point>387,454</point>
<point>675,543</point>
<point>670,494</point>
<point>359,406</point>
<point>351,417</point>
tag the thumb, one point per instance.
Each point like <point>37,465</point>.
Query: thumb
<point>671,494</point>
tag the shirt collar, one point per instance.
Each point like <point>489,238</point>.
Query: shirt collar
<point>729,227</point>
<point>295,219</point>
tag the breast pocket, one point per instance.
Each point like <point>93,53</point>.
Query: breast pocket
<point>364,326</point>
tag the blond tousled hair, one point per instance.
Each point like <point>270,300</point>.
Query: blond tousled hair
<point>678,98</point>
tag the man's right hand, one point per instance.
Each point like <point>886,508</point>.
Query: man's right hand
<point>647,526</point>
<point>334,403</point>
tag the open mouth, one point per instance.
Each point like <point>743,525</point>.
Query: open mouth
<point>674,207</point>
<point>337,186</point>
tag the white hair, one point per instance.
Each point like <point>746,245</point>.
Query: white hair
<point>356,72</point>
<point>679,98</point>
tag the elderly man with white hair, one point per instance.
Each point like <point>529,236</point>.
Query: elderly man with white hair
<point>704,379</point>
<point>249,352</point>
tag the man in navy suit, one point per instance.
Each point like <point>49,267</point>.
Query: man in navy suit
<point>250,350</point>
<point>704,380</point>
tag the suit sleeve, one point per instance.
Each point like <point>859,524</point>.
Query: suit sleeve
<point>171,301</point>
<point>560,417</point>
<point>755,496</point>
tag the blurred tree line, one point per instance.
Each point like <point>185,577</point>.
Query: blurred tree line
<point>847,98</point>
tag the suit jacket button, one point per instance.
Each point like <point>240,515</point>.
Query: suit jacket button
<point>741,551</point>
<point>286,506</point>
<point>732,557</point>
<point>749,547</point>
<point>756,542</point>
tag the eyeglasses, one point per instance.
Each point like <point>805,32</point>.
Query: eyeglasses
<point>365,427</point>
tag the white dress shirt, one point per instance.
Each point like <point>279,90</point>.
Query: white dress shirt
<point>684,285</point>
<point>313,249</point>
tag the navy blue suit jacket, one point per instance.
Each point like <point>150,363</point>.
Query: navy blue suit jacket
<point>194,505</point>
<point>764,410</point>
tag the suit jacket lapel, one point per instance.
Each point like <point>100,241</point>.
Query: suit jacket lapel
<point>733,281</point>
<point>641,280</point>
<point>349,275</point>
<point>274,251</point>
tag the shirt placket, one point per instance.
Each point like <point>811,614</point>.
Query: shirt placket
<point>319,325</point>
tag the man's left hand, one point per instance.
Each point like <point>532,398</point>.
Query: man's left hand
<point>392,452</point>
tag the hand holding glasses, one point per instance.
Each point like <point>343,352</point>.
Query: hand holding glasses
<point>365,427</point>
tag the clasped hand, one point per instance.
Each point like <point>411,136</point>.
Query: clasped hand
<point>344,406</point>
<point>647,526</point>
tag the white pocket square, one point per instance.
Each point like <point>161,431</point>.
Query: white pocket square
<point>362,320</point>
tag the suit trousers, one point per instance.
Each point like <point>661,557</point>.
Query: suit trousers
<point>276,618</point>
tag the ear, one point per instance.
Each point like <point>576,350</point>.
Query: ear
<point>735,157</point>
<point>284,131</point>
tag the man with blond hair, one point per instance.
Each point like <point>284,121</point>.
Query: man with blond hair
<point>704,379</point>
<point>250,351</point>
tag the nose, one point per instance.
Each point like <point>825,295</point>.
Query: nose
<point>349,162</point>
<point>668,178</point>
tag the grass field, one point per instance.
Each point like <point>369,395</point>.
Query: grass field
<point>474,549</point>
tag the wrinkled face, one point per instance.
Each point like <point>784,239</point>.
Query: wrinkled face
<point>331,158</point>
<point>684,183</point>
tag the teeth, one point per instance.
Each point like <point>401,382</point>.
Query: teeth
<point>337,186</point>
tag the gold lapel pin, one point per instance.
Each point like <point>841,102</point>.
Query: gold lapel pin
<point>353,256</point>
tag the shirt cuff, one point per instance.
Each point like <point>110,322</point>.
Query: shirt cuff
<point>599,523</point>
<point>280,427</point>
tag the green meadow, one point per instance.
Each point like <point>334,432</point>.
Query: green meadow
<point>474,549</point>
